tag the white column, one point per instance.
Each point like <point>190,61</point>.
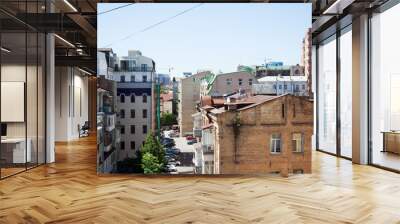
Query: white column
<point>360,89</point>
<point>50,99</point>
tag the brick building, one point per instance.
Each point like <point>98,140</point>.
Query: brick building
<point>258,134</point>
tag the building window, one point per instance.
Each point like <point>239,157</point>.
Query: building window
<point>132,78</point>
<point>122,129</point>
<point>304,87</point>
<point>285,87</point>
<point>276,143</point>
<point>144,78</point>
<point>280,86</point>
<point>122,98</point>
<point>132,98</point>
<point>144,67</point>
<point>122,113</point>
<point>132,113</point>
<point>122,145</point>
<point>240,82</point>
<point>229,82</point>
<point>144,113</point>
<point>133,129</point>
<point>144,98</point>
<point>250,82</point>
<point>144,129</point>
<point>297,142</point>
<point>122,78</point>
<point>133,145</point>
<point>274,86</point>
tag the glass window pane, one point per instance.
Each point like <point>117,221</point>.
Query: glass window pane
<point>14,153</point>
<point>327,95</point>
<point>385,89</point>
<point>346,94</point>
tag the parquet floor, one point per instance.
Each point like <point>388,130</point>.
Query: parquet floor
<point>69,191</point>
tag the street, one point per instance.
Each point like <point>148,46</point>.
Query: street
<point>186,155</point>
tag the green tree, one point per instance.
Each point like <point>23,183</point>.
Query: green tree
<point>153,146</point>
<point>167,119</point>
<point>150,164</point>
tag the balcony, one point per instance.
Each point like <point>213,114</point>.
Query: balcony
<point>134,69</point>
<point>207,149</point>
<point>110,121</point>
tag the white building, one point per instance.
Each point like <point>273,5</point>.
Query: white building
<point>135,75</point>
<point>279,85</point>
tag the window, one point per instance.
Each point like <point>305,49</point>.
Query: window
<point>297,142</point>
<point>327,96</point>
<point>229,81</point>
<point>285,87</point>
<point>303,87</point>
<point>133,145</point>
<point>122,113</point>
<point>144,129</point>
<point>274,86</point>
<point>144,78</point>
<point>283,110</point>
<point>144,98</point>
<point>122,78</point>
<point>122,129</point>
<point>132,98</point>
<point>276,143</point>
<point>133,129</point>
<point>280,86</point>
<point>122,145</point>
<point>122,98</point>
<point>132,113</point>
<point>250,82</point>
<point>144,113</point>
<point>144,67</point>
<point>132,78</point>
<point>240,82</point>
<point>345,83</point>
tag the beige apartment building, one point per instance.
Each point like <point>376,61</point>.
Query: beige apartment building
<point>189,96</point>
<point>228,83</point>
<point>257,134</point>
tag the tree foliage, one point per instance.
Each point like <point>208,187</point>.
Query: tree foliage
<point>150,164</point>
<point>153,155</point>
<point>167,119</point>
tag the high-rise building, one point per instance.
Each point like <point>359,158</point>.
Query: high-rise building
<point>135,76</point>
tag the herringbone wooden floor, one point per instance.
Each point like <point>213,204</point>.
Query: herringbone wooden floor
<point>69,191</point>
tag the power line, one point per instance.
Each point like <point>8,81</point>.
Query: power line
<point>155,24</point>
<point>116,8</point>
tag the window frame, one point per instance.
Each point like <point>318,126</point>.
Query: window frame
<point>273,141</point>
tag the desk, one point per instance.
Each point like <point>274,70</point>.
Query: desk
<point>391,141</point>
<point>13,150</point>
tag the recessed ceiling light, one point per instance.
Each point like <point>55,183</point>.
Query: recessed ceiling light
<point>64,40</point>
<point>5,50</point>
<point>70,5</point>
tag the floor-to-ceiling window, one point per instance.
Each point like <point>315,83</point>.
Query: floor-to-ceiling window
<point>327,95</point>
<point>22,88</point>
<point>345,60</point>
<point>385,88</point>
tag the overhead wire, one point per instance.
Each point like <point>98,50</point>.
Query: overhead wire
<point>155,24</point>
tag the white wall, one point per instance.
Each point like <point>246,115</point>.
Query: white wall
<point>71,103</point>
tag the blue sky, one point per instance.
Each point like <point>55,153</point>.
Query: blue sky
<point>213,36</point>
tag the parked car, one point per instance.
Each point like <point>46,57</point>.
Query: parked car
<point>172,168</point>
<point>189,137</point>
<point>173,150</point>
<point>191,142</point>
<point>169,155</point>
<point>174,134</point>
